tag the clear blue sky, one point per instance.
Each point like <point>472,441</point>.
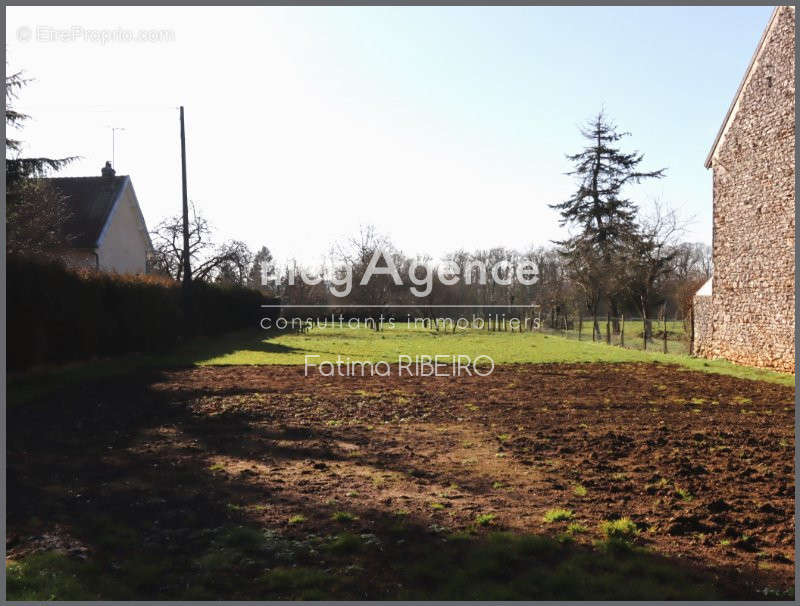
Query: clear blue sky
<point>444,127</point>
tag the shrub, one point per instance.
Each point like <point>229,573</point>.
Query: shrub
<point>57,315</point>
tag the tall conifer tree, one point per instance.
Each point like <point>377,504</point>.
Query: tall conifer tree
<point>605,218</point>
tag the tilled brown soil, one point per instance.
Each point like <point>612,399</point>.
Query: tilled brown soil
<point>702,463</point>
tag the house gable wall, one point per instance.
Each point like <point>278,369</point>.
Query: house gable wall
<point>124,247</point>
<point>753,175</point>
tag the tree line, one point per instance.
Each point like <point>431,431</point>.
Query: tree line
<point>557,292</point>
<point>618,258</point>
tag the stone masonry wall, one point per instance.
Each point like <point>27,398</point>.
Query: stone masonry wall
<point>753,283</point>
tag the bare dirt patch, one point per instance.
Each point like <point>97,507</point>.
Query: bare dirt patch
<point>701,464</point>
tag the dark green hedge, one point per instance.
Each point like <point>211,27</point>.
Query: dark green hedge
<point>56,315</point>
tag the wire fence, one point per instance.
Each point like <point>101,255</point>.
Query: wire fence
<point>658,334</point>
<point>667,335</point>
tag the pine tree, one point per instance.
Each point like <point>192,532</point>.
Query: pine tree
<point>603,170</point>
<point>16,166</point>
<point>261,268</point>
<point>605,218</point>
<point>35,212</point>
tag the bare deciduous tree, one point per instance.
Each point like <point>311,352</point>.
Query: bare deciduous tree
<point>229,261</point>
<point>652,251</point>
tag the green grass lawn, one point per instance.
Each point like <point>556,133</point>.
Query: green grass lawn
<point>502,347</point>
<point>258,347</point>
<point>365,344</point>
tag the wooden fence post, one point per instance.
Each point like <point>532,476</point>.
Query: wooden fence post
<point>608,328</point>
<point>644,331</point>
<point>622,331</point>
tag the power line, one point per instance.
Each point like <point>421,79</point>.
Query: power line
<point>94,108</point>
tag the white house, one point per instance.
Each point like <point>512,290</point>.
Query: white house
<point>106,225</point>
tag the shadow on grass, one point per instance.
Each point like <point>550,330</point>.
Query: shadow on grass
<point>207,348</point>
<point>246,562</point>
<point>116,517</point>
<point>35,383</point>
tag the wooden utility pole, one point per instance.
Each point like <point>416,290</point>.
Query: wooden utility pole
<point>187,267</point>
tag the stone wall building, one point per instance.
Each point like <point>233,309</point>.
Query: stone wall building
<point>747,313</point>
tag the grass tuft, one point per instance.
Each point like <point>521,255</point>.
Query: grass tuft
<point>576,528</point>
<point>343,516</point>
<point>557,515</point>
<point>623,528</point>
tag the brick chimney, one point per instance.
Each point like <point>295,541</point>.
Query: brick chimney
<point>107,171</point>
